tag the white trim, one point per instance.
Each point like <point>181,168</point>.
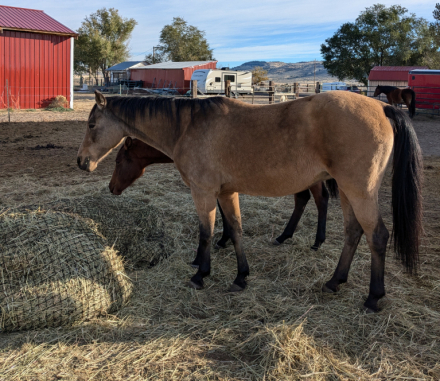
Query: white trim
<point>71,72</point>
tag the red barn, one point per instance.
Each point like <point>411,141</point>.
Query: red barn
<point>176,75</point>
<point>36,59</point>
<point>426,85</point>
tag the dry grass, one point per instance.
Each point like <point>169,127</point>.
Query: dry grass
<point>280,328</point>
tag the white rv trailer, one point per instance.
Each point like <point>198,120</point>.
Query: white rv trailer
<point>212,81</point>
<point>329,86</point>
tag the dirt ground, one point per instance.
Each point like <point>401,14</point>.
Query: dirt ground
<point>281,327</point>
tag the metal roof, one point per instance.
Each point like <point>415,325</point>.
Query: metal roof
<point>418,71</point>
<point>31,20</point>
<point>176,65</point>
<point>392,73</point>
<point>124,65</point>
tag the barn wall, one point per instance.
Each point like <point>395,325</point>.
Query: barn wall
<point>372,86</point>
<point>37,67</point>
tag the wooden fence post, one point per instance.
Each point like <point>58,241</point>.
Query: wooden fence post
<point>271,92</point>
<point>194,88</point>
<point>228,88</point>
<point>317,89</point>
<point>296,88</point>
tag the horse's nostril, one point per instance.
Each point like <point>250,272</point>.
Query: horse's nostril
<point>78,160</point>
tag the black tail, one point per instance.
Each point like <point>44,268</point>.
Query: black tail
<point>412,106</point>
<point>406,189</point>
<point>332,187</point>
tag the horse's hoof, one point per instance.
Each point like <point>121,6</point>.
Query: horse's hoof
<point>314,247</point>
<point>327,289</point>
<point>369,310</point>
<point>219,247</point>
<point>275,242</point>
<point>194,265</point>
<point>235,288</point>
<point>194,285</point>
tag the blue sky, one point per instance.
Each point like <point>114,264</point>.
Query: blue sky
<point>238,31</point>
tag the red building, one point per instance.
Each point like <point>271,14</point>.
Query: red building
<point>36,59</point>
<point>426,85</point>
<point>176,75</point>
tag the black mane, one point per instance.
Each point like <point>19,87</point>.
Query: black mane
<point>130,109</point>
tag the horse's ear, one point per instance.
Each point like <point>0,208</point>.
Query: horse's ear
<point>100,100</point>
<point>128,142</point>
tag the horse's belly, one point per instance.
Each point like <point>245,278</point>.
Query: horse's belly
<point>274,185</point>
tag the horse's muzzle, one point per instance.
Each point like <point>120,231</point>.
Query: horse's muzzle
<point>85,165</point>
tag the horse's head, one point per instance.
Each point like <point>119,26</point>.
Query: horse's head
<point>104,132</point>
<point>129,165</point>
<point>377,91</point>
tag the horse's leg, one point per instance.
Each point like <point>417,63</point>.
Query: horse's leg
<point>301,200</point>
<point>226,230</point>
<point>368,215</point>
<point>353,233</point>
<point>321,196</point>
<point>222,242</point>
<point>206,206</point>
<point>231,208</point>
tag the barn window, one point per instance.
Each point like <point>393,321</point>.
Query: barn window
<point>218,79</point>
<point>413,77</point>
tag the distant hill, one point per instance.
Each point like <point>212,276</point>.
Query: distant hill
<point>291,72</point>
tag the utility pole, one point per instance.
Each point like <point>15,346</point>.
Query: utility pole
<point>314,73</point>
<point>154,59</point>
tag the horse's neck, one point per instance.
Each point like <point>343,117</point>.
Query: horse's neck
<point>159,132</point>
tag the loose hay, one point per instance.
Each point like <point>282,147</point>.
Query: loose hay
<point>135,228</point>
<point>55,270</point>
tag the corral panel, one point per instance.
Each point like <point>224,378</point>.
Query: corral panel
<point>37,67</point>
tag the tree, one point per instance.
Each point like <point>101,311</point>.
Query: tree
<point>182,42</point>
<point>432,57</point>
<point>102,41</point>
<point>259,75</point>
<point>379,36</point>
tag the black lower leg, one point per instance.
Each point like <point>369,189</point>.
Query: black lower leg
<point>301,200</point>
<point>321,204</point>
<point>353,234</point>
<point>203,259</point>
<point>226,230</point>
<point>377,284</point>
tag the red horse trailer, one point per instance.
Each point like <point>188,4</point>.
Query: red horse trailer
<point>426,85</point>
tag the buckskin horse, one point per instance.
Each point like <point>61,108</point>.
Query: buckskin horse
<point>396,96</point>
<point>223,147</point>
<point>135,155</point>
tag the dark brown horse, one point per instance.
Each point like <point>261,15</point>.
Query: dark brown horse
<point>134,156</point>
<point>223,147</point>
<point>397,96</point>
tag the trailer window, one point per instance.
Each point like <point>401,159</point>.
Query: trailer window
<point>218,79</point>
<point>230,78</point>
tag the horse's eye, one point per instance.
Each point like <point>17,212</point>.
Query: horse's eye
<point>91,125</point>
<point>118,161</point>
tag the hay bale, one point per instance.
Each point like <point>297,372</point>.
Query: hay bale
<point>136,229</point>
<point>55,269</point>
